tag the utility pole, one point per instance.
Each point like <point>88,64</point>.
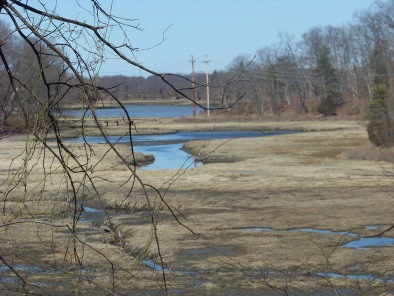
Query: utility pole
<point>193,88</point>
<point>206,61</point>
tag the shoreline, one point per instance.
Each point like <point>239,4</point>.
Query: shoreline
<point>148,126</point>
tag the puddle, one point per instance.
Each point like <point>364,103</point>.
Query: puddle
<point>321,231</point>
<point>31,269</point>
<point>364,277</point>
<point>10,280</point>
<point>92,210</point>
<point>190,273</point>
<point>22,267</point>
<point>362,243</point>
<point>158,267</point>
<point>5,273</point>
<point>258,229</point>
<point>198,284</point>
<point>366,243</point>
<point>90,214</point>
<point>324,231</point>
<point>154,266</point>
<point>373,227</point>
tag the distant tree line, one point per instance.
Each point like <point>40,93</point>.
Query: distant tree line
<point>330,70</point>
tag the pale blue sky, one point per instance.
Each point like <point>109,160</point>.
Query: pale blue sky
<point>221,29</point>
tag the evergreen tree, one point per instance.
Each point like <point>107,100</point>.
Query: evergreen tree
<point>329,92</point>
<point>380,127</point>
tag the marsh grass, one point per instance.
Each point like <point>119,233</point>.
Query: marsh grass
<point>370,152</point>
<point>129,206</point>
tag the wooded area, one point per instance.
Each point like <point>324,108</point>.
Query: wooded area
<point>329,70</point>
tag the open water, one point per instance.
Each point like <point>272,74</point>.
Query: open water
<point>140,111</point>
<point>167,148</point>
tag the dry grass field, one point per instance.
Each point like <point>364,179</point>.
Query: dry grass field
<point>262,216</point>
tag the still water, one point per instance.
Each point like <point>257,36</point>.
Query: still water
<point>167,148</point>
<point>168,157</point>
<point>140,111</point>
<point>366,243</point>
<point>176,138</point>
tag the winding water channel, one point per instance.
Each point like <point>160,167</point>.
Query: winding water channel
<point>167,149</point>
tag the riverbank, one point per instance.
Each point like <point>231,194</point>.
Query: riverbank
<point>250,208</point>
<point>118,126</point>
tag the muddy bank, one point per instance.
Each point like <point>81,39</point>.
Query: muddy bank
<point>277,183</point>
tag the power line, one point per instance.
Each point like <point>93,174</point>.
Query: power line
<point>193,88</point>
<point>206,62</point>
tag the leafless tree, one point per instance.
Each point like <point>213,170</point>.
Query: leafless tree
<point>57,57</point>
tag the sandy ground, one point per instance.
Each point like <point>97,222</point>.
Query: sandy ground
<point>230,227</point>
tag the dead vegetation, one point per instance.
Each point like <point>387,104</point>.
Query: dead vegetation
<point>278,183</point>
<point>371,152</point>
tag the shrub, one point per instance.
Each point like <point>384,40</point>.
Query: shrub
<point>328,106</point>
